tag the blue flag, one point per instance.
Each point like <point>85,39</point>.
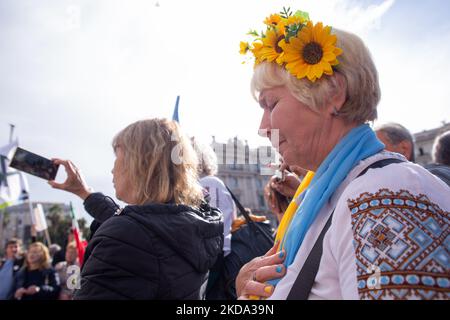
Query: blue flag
<point>175,111</point>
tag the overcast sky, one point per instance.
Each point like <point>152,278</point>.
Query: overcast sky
<point>73,73</point>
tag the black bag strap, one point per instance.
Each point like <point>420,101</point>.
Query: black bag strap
<point>306,277</point>
<point>250,222</point>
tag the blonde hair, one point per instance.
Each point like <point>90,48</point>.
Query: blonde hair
<point>44,262</point>
<point>148,146</point>
<point>356,66</point>
<point>71,245</point>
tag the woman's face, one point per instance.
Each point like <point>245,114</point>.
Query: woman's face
<point>34,255</point>
<point>121,181</point>
<point>302,132</point>
<point>71,255</point>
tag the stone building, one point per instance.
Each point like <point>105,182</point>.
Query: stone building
<point>16,220</point>
<point>424,143</point>
<point>244,170</point>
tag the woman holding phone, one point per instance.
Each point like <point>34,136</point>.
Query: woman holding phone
<point>163,243</point>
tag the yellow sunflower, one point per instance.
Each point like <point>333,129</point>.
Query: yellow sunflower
<point>256,49</point>
<point>270,50</point>
<point>311,53</point>
<point>244,47</point>
<point>272,20</point>
<point>293,20</point>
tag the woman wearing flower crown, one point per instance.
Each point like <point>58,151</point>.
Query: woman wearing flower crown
<point>365,223</point>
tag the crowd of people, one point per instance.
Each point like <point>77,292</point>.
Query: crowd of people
<point>358,219</point>
<point>35,274</point>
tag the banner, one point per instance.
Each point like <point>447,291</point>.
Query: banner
<point>13,184</point>
<point>38,218</point>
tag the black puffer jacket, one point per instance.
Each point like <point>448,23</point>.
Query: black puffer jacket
<point>157,251</point>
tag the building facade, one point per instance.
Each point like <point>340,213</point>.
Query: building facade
<point>424,143</point>
<point>245,171</point>
<point>16,220</point>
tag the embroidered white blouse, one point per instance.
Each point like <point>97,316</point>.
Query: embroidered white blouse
<point>388,239</point>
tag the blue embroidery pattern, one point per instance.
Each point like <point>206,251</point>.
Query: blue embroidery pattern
<point>402,246</point>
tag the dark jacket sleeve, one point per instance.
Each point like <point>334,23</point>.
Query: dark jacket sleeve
<point>19,279</point>
<point>101,208</point>
<point>121,264</point>
<point>50,290</point>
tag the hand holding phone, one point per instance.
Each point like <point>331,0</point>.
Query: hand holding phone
<point>74,183</point>
<point>34,164</point>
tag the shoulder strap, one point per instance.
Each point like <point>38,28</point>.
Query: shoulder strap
<point>306,277</point>
<point>380,164</point>
<point>250,222</point>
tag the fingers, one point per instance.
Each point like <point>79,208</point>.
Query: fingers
<point>299,171</point>
<point>267,273</point>
<point>273,250</point>
<point>270,260</point>
<point>56,185</point>
<point>253,288</point>
<point>67,164</point>
<point>284,166</point>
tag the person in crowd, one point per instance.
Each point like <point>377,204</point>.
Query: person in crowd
<point>37,280</point>
<point>276,201</point>
<point>9,265</point>
<point>278,192</point>
<point>216,190</point>
<point>64,272</point>
<point>162,244</point>
<point>359,230</point>
<point>60,255</point>
<point>397,138</point>
<point>55,251</point>
<point>441,158</point>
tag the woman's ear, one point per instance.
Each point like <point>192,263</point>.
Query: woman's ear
<point>339,96</point>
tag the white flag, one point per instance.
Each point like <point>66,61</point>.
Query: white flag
<point>13,184</point>
<point>38,218</point>
<point>8,150</point>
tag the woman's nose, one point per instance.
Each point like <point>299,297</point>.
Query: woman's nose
<point>264,126</point>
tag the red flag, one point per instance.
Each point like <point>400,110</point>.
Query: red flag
<point>81,244</point>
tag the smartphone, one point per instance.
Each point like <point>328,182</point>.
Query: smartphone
<point>34,164</point>
<point>279,175</point>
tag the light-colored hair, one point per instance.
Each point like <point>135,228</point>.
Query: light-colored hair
<point>71,246</point>
<point>397,133</point>
<point>207,158</point>
<point>44,263</point>
<point>356,66</point>
<point>441,149</point>
<point>148,147</point>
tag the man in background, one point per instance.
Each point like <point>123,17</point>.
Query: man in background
<point>12,263</point>
<point>397,139</point>
<point>441,158</point>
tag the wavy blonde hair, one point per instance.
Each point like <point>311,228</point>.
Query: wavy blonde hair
<point>148,147</point>
<point>44,262</point>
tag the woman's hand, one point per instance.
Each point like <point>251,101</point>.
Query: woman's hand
<point>289,185</point>
<point>74,183</point>
<point>32,290</point>
<point>19,293</point>
<point>250,282</point>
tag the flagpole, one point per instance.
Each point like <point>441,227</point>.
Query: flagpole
<point>11,132</point>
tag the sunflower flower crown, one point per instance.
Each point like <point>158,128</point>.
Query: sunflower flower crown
<point>304,49</point>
